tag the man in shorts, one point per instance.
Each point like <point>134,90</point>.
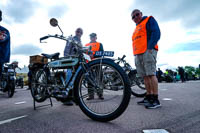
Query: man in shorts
<point>145,48</point>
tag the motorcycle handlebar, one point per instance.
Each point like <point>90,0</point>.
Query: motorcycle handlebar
<point>55,36</point>
<point>43,38</point>
<point>123,57</point>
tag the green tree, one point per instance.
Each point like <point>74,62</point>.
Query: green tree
<point>197,71</point>
<point>190,70</point>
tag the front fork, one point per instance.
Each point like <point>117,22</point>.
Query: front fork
<point>90,77</point>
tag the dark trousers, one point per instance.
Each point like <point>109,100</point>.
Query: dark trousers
<point>1,68</point>
<point>91,87</point>
<point>182,77</point>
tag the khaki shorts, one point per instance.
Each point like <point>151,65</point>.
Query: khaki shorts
<point>146,63</point>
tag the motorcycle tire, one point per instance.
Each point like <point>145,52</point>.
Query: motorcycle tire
<point>22,85</point>
<point>11,89</point>
<point>37,88</point>
<point>137,85</point>
<point>118,99</point>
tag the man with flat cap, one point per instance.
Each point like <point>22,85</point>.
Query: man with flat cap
<point>95,46</point>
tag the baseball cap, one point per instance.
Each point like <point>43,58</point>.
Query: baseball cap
<point>93,35</point>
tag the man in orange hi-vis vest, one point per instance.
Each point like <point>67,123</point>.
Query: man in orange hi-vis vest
<point>95,46</point>
<point>145,48</point>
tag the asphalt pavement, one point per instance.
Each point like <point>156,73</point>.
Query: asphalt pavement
<point>180,113</point>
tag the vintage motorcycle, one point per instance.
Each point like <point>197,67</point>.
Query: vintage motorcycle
<point>20,82</point>
<point>8,79</point>
<point>137,83</point>
<point>49,80</point>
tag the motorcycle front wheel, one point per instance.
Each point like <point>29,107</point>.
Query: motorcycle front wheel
<point>22,84</point>
<point>104,94</point>
<point>11,89</point>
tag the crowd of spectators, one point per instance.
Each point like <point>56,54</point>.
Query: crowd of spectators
<point>180,74</point>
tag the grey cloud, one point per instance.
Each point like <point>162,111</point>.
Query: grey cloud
<point>166,10</point>
<point>20,11</point>
<point>26,49</point>
<point>57,11</point>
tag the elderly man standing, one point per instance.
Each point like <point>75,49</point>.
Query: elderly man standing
<point>145,48</point>
<point>70,49</point>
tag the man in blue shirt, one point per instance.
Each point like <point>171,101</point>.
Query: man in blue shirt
<point>4,45</point>
<point>145,48</point>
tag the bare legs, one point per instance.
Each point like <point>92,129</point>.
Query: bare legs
<point>151,84</point>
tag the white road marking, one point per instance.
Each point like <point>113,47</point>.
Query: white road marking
<point>155,131</point>
<point>22,89</point>
<point>167,99</point>
<point>163,89</point>
<point>12,119</point>
<point>21,102</point>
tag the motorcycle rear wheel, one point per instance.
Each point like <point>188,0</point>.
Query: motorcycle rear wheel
<point>137,84</point>
<point>38,85</point>
<point>116,91</point>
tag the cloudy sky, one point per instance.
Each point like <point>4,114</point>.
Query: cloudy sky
<point>28,20</point>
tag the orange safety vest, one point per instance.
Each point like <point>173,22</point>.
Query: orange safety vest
<point>95,46</point>
<point>139,38</point>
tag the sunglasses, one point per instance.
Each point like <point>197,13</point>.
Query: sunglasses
<point>137,14</point>
<point>79,32</point>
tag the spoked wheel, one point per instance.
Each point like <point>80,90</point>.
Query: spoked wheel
<point>107,88</point>
<point>11,89</point>
<point>38,85</point>
<point>137,84</point>
<point>22,85</point>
